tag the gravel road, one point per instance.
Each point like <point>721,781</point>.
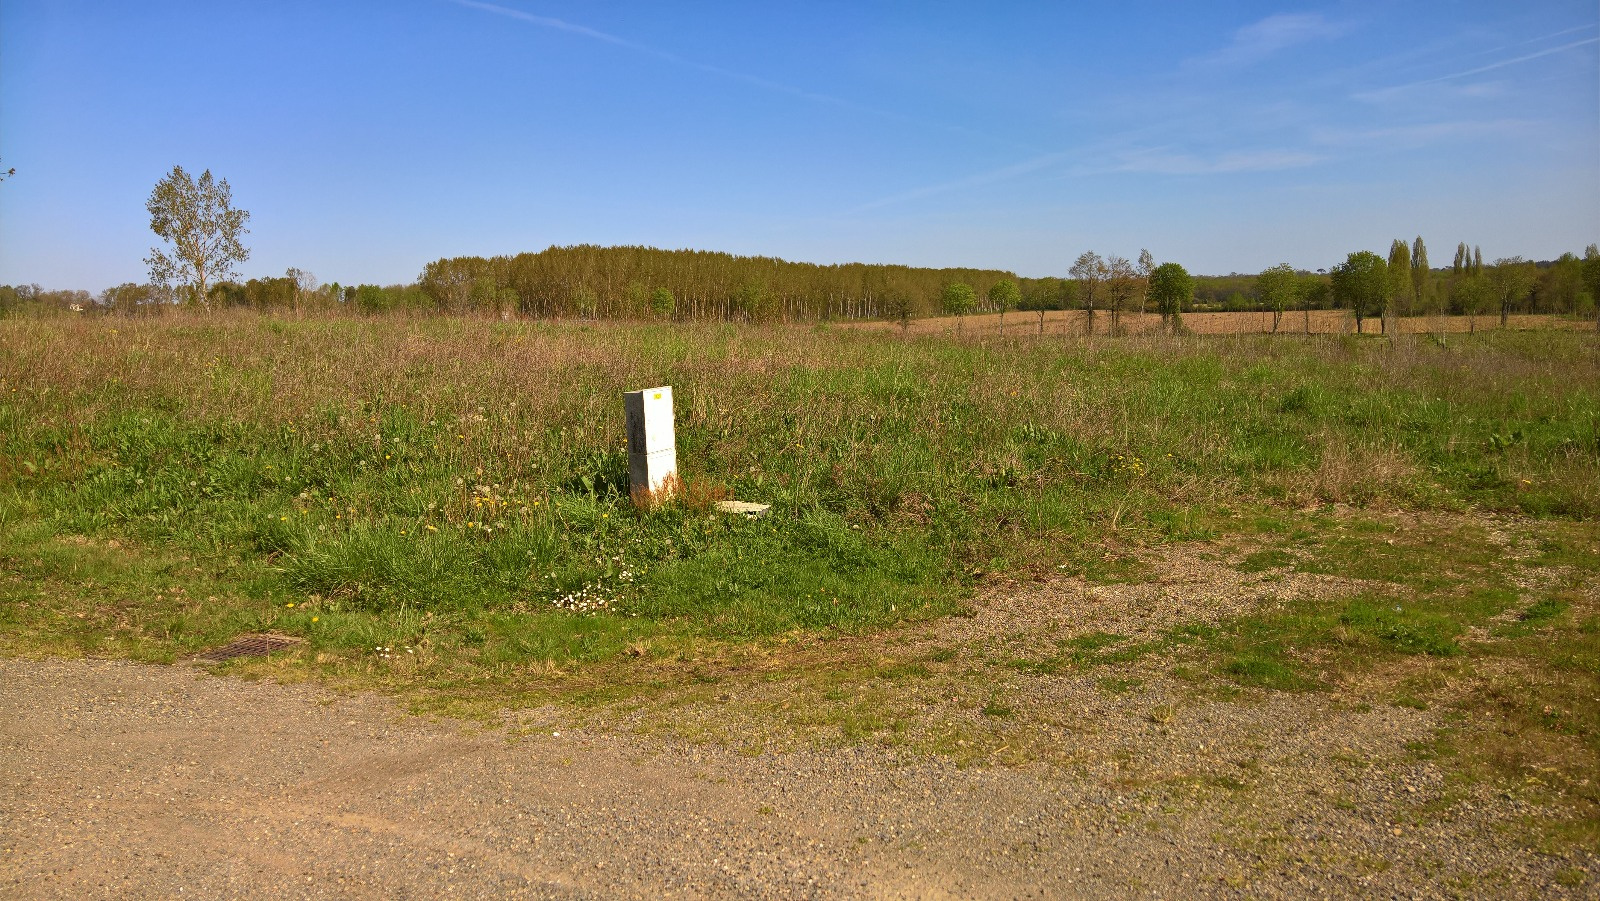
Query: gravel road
<point>136,781</point>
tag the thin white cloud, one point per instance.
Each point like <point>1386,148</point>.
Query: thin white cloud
<point>1152,162</point>
<point>989,177</point>
<point>1390,92</point>
<point>595,34</point>
<point>753,80</point>
<point>1156,162</point>
<point>559,25</point>
<point>1261,40</point>
<point>1412,136</point>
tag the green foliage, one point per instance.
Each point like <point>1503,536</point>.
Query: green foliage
<point>130,299</point>
<point>586,302</point>
<point>662,303</point>
<point>198,219</point>
<point>957,299</point>
<point>1421,275</point>
<point>1472,295</point>
<point>1543,610</point>
<point>1004,295</point>
<point>1361,283</point>
<point>1278,288</point>
<point>1399,265</point>
<point>1591,273</point>
<point>433,470</point>
<point>1171,287</point>
<point>1510,280</point>
<point>705,285</point>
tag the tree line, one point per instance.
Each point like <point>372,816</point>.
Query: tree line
<point>204,231</point>
<point>642,282</point>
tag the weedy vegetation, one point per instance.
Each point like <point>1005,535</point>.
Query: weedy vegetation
<point>439,506</point>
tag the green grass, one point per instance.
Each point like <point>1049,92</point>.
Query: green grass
<point>322,441</point>
<point>467,470</point>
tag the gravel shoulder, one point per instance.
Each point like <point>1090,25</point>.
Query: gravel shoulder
<point>125,780</point>
<point>137,781</point>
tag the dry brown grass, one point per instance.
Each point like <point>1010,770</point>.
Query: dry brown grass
<point>1320,322</point>
<point>1357,474</point>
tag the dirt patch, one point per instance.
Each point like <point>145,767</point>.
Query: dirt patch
<point>1320,322</point>
<point>134,781</point>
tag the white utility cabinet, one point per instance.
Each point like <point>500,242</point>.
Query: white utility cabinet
<point>652,445</point>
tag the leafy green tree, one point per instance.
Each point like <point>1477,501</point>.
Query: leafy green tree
<point>1399,280</point>
<point>1090,271</point>
<point>198,219</point>
<point>1472,296</point>
<point>1315,293</point>
<point>753,301</point>
<point>1145,266</point>
<point>897,306</point>
<point>1004,295</point>
<point>1561,284</point>
<point>1361,283</point>
<point>130,299</point>
<point>1421,275</point>
<point>490,295</point>
<point>371,299</point>
<point>636,298</point>
<point>450,282</point>
<point>1278,287</point>
<point>1591,279</point>
<point>1511,278</point>
<point>663,303</point>
<point>958,299</point>
<point>1171,287</point>
<point>586,302</point>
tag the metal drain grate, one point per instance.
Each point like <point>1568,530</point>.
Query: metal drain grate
<point>247,646</point>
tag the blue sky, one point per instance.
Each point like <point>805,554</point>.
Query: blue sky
<point>367,138</point>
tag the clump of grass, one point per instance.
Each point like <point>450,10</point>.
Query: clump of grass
<point>1543,610</point>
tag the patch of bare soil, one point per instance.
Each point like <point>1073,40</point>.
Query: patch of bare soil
<point>1320,322</point>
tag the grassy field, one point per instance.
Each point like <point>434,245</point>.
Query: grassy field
<point>439,507</point>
